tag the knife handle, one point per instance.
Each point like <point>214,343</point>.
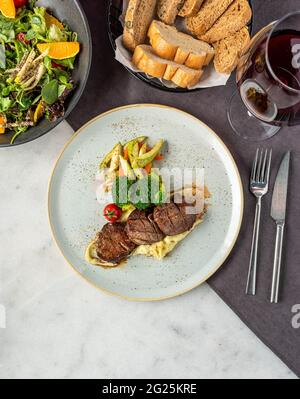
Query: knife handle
<point>277,263</point>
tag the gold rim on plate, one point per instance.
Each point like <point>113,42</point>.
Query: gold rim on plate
<point>241,199</point>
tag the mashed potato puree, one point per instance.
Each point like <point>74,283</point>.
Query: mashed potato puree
<point>158,250</point>
<point>161,249</point>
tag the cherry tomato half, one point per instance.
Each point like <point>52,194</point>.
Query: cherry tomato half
<point>20,3</point>
<point>21,37</point>
<point>58,66</point>
<point>112,213</point>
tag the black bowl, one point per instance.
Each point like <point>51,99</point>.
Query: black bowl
<point>115,29</point>
<point>71,12</point>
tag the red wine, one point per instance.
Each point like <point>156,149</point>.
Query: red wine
<point>271,88</point>
<point>284,57</point>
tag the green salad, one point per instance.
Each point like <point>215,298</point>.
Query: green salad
<point>37,55</point>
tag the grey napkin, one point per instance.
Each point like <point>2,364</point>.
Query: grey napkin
<point>110,85</point>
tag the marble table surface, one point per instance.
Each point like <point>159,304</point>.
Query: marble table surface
<point>58,326</point>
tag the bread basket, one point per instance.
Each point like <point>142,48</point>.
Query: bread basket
<point>115,30</point>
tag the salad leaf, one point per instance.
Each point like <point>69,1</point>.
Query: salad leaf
<point>48,64</point>
<point>38,21</point>
<point>5,104</point>
<point>61,89</point>
<point>31,4</point>
<point>67,63</point>
<point>18,39</point>
<point>31,34</point>
<point>2,56</point>
<point>50,92</point>
<point>25,102</point>
<point>7,33</point>
<point>56,34</point>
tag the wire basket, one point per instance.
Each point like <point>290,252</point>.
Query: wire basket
<point>115,30</point>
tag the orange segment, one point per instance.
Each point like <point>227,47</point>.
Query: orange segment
<point>60,50</point>
<point>2,122</point>
<point>8,9</point>
<point>39,111</point>
<point>50,20</point>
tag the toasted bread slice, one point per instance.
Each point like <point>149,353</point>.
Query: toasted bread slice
<point>186,77</point>
<point>139,16</point>
<point>230,49</point>
<point>147,61</point>
<point>233,20</point>
<point>179,47</point>
<point>190,8</point>
<point>210,11</point>
<point>167,10</point>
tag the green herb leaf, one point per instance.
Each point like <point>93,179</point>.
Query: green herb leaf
<point>50,92</point>
<point>2,56</point>
<point>61,89</point>
<point>5,104</point>
<point>36,20</point>
<point>31,34</point>
<point>120,189</point>
<point>25,102</point>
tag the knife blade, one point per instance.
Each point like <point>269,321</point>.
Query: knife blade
<point>278,212</point>
<point>279,199</point>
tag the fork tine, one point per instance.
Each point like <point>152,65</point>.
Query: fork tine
<point>267,175</point>
<point>258,172</point>
<point>254,166</point>
<point>263,169</point>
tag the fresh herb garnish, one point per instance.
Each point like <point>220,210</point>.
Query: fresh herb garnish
<point>141,193</point>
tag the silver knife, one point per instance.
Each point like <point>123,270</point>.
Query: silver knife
<point>278,212</point>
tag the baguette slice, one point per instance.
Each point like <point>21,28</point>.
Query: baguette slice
<point>186,77</point>
<point>190,8</point>
<point>139,16</point>
<point>168,10</point>
<point>207,16</point>
<point>147,61</point>
<point>179,47</point>
<point>233,20</point>
<point>229,50</point>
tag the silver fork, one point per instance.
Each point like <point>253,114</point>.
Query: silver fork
<point>259,185</point>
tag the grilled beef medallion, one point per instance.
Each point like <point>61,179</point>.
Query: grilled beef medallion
<point>172,218</point>
<point>112,243</point>
<point>141,228</point>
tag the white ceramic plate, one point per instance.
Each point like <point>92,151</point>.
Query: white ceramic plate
<point>75,215</point>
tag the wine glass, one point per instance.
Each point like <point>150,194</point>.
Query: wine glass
<point>268,80</point>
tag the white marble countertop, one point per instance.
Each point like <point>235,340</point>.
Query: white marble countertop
<point>58,326</point>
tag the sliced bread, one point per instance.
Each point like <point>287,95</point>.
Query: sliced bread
<point>139,16</point>
<point>190,8</point>
<point>147,61</point>
<point>179,47</point>
<point>233,20</point>
<point>167,10</point>
<point>229,50</point>
<point>210,11</point>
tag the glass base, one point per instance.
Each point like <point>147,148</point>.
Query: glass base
<point>245,124</point>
